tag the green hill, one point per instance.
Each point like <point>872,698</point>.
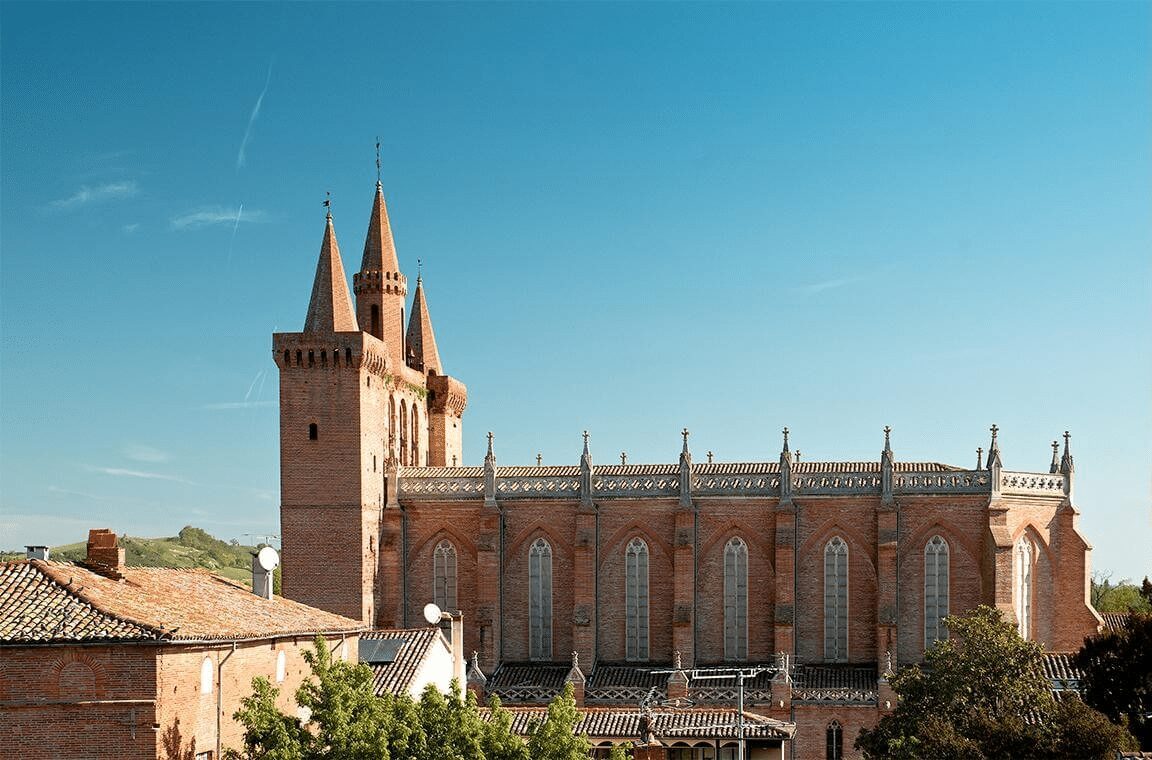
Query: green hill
<point>193,547</point>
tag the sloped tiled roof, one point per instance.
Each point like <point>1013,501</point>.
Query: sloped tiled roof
<point>835,683</point>
<point>716,468</point>
<point>59,602</point>
<point>1114,621</point>
<point>528,681</point>
<point>611,675</point>
<point>601,723</point>
<point>1059,667</point>
<point>396,677</point>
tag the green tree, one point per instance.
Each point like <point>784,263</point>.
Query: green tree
<point>1117,679</point>
<point>497,740</point>
<point>269,734</point>
<point>1122,597</point>
<point>555,738</point>
<point>982,693</point>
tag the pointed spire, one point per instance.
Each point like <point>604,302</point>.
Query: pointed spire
<point>979,457</point>
<point>685,473</point>
<point>477,681</point>
<point>330,308</point>
<point>379,250</point>
<point>1066,465</point>
<point>994,449</point>
<point>421,340</point>
<point>1055,466</point>
<point>490,474</point>
<point>586,475</point>
<point>785,472</point>
<point>887,466</point>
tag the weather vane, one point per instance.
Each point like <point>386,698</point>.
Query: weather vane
<point>328,202</point>
<point>377,159</point>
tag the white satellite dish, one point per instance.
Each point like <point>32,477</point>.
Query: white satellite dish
<point>432,613</point>
<point>268,558</point>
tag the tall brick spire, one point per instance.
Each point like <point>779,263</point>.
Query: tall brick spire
<point>422,353</point>
<point>380,287</point>
<point>330,309</point>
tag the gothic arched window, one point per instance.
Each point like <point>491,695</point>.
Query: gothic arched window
<point>935,590</point>
<point>540,600</point>
<point>736,600</point>
<point>1022,591</point>
<point>392,425</point>
<point>414,457</point>
<point>834,741</point>
<point>403,432</point>
<point>836,600</point>
<point>444,576</point>
<point>636,600</point>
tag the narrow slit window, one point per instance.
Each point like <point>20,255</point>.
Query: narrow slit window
<point>636,600</point>
<point>836,600</point>
<point>313,432</point>
<point>540,600</point>
<point>935,590</point>
<point>736,600</point>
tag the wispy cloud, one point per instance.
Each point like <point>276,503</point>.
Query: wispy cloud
<point>208,216</point>
<point>130,229</point>
<point>820,287</point>
<point>109,191</point>
<point>252,120</point>
<point>238,405</point>
<point>120,472</point>
<point>142,453</point>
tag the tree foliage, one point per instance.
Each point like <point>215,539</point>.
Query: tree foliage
<point>1121,597</point>
<point>349,722</point>
<point>982,693</point>
<point>1117,679</point>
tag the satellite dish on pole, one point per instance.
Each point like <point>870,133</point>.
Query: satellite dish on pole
<point>268,558</point>
<point>432,613</point>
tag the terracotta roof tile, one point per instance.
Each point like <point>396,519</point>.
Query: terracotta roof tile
<point>1114,621</point>
<point>1059,667</point>
<point>54,601</point>
<point>605,723</point>
<point>398,666</point>
<point>528,681</point>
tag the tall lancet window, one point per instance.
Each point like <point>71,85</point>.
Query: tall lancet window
<point>836,600</point>
<point>444,576</point>
<point>414,457</point>
<point>736,600</point>
<point>392,426</point>
<point>1023,586</point>
<point>540,600</point>
<point>403,432</point>
<point>636,600</point>
<point>935,590</point>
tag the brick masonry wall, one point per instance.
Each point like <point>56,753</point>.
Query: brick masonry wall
<point>43,689</point>
<point>812,723</point>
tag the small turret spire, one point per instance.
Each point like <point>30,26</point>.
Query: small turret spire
<point>785,450</point>
<point>685,433</point>
<point>330,308</point>
<point>1054,467</point>
<point>979,457</point>
<point>1066,465</point>
<point>994,449</point>
<point>887,466</point>
<point>421,339</point>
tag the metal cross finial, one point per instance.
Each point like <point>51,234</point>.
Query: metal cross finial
<point>539,459</point>
<point>709,457</point>
<point>995,429</point>
<point>575,659</point>
<point>623,457</point>
<point>585,437</point>
<point>419,270</point>
<point>377,160</point>
<point>785,439</point>
<point>490,436</point>
<point>684,433</point>
<point>887,433</point>
<point>797,456</point>
<point>1067,435</point>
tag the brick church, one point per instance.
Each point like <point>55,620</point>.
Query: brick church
<point>829,573</point>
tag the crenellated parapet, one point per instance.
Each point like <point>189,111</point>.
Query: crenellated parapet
<point>446,395</point>
<point>355,350</point>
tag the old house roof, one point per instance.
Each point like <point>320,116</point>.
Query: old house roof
<point>56,602</point>
<point>716,468</point>
<point>396,656</point>
<point>1114,621</point>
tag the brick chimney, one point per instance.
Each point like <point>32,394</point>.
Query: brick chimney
<point>104,555</point>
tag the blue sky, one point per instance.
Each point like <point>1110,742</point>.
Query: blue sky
<point>632,218</point>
